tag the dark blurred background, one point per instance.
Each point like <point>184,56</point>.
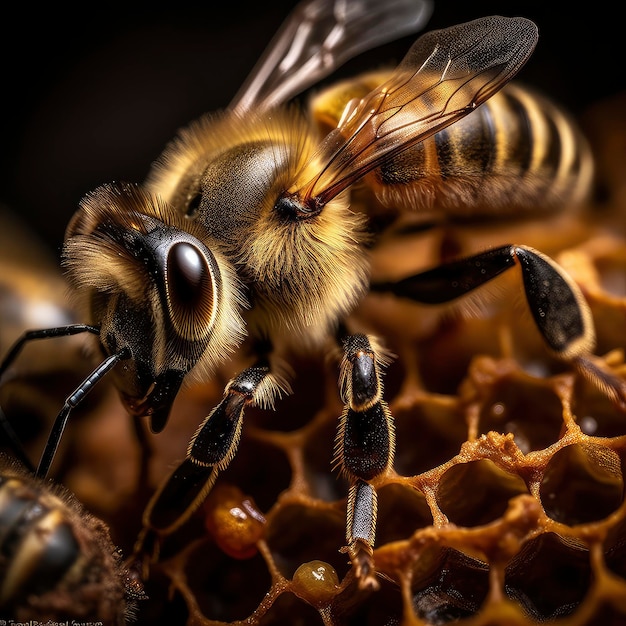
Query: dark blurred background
<point>92,97</point>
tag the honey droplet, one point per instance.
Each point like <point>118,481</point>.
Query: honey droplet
<point>234,521</point>
<point>316,582</point>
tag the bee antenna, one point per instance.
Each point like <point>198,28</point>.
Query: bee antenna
<point>30,335</point>
<point>46,333</point>
<point>71,402</point>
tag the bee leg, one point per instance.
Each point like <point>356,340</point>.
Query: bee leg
<point>210,451</point>
<point>364,448</point>
<point>556,303</point>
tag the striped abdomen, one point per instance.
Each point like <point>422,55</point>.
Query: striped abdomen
<point>517,153</point>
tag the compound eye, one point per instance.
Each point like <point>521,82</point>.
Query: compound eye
<point>191,293</point>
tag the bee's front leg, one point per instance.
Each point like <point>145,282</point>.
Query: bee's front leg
<point>364,448</point>
<point>210,451</point>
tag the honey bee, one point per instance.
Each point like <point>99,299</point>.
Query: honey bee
<point>245,236</point>
<point>57,560</point>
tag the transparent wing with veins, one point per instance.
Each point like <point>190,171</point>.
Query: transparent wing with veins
<point>318,37</point>
<point>445,75</point>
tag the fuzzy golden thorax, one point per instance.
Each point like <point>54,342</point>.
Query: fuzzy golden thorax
<point>229,173</point>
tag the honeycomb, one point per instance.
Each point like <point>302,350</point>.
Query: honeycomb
<point>505,505</point>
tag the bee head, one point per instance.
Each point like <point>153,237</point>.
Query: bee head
<point>161,293</point>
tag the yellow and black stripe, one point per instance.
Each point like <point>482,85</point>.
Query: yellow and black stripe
<point>517,154</point>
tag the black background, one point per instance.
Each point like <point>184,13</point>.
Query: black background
<point>91,97</point>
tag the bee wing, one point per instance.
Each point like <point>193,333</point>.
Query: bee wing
<point>445,75</point>
<point>318,37</point>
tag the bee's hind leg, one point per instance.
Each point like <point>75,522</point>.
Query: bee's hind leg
<point>364,448</point>
<point>556,303</point>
